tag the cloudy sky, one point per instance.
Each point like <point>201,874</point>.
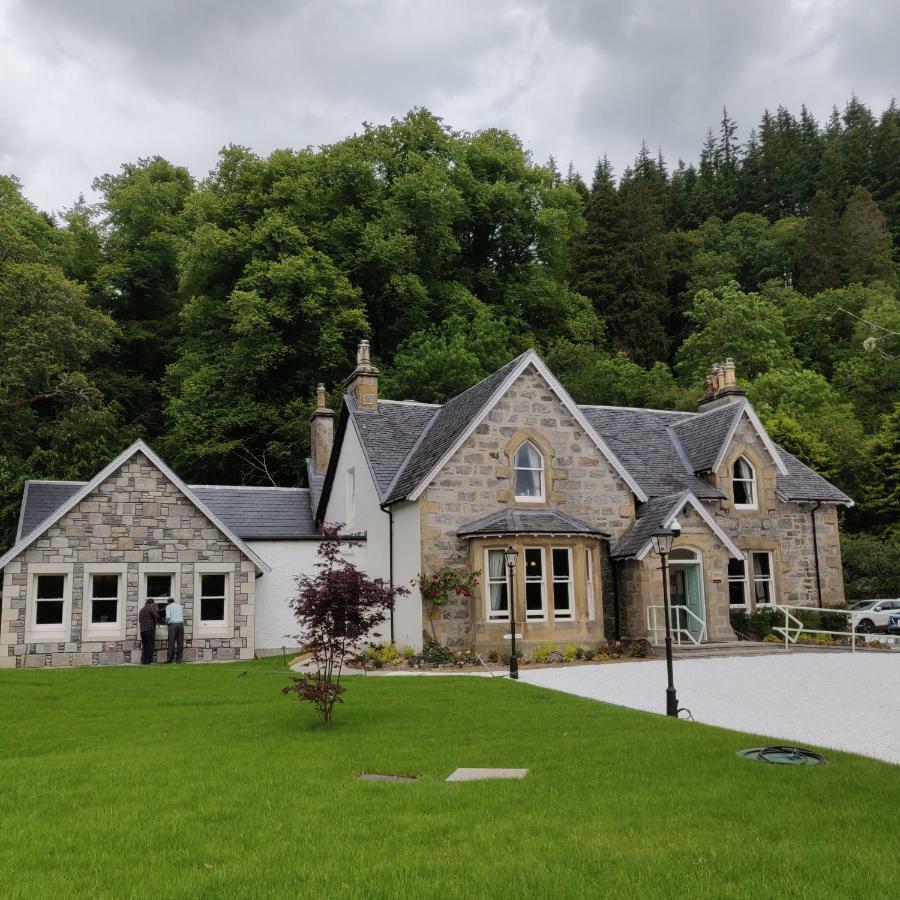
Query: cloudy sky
<point>88,84</point>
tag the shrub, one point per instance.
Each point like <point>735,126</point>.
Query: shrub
<point>588,653</point>
<point>824,639</point>
<point>542,652</point>
<point>570,652</point>
<point>407,652</point>
<point>638,649</point>
<point>493,656</point>
<point>756,625</point>
<point>435,653</point>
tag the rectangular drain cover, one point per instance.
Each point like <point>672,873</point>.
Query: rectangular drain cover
<point>481,774</point>
<point>377,776</point>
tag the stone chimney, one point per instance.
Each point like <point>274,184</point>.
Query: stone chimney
<point>321,432</point>
<point>363,383</point>
<point>721,386</point>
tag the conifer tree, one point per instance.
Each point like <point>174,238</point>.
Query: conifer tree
<point>818,260</point>
<point>865,243</point>
<point>595,250</point>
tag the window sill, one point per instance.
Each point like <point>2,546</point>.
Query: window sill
<point>217,630</point>
<point>95,634</point>
<point>48,636</point>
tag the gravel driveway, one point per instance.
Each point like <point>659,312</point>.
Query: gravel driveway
<point>839,700</point>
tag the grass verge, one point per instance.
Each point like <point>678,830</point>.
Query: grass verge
<point>191,781</point>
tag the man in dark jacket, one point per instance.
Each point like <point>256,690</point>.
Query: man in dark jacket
<point>148,618</point>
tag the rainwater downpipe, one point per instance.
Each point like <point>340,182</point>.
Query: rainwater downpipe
<point>390,514</point>
<point>615,586</point>
<point>812,515</point>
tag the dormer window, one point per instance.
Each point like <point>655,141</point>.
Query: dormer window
<point>743,483</point>
<point>529,473</point>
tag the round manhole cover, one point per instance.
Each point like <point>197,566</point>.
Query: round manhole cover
<point>784,756</point>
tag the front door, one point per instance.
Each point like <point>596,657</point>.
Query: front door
<point>686,591</point>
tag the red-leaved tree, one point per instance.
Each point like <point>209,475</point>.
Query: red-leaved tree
<point>337,611</point>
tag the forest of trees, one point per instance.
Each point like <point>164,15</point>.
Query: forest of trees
<point>200,314</point>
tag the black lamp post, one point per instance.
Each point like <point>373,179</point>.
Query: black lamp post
<point>512,555</point>
<point>662,543</point>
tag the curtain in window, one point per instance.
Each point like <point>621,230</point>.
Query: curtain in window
<point>528,465</point>
<point>497,579</point>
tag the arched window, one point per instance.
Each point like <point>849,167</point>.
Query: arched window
<point>529,473</point>
<point>743,482</point>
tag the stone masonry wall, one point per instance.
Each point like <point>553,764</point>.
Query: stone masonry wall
<point>477,480</point>
<point>136,516</point>
<point>784,529</point>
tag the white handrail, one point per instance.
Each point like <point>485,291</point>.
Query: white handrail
<point>677,625</point>
<point>791,637</point>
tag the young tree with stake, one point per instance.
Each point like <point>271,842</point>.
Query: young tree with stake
<point>337,611</point>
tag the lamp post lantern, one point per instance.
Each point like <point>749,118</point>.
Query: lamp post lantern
<point>511,555</point>
<point>662,543</point>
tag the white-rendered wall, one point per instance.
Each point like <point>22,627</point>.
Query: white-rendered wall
<point>274,620</point>
<point>374,554</point>
<point>407,566</point>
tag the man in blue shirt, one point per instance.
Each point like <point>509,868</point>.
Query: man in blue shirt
<point>175,621</point>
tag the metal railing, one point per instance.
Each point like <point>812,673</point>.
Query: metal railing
<point>680,619</point>
<point>794,627</point>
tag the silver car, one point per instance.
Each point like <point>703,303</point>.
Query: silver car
<point>872,615</point>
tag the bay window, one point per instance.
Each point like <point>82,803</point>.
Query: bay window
<point>563,601</point>
<point>535,587</point>
<point>497,595</point>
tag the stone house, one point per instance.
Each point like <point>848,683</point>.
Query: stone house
<point>578,491</point>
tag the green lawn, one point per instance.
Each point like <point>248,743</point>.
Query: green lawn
<point>193,782</point>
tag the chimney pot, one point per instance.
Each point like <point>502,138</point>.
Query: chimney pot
<point>363,382</point>
<point>321,432</point>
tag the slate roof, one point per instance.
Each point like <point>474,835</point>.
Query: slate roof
<point>701,435</point>
<point>252,513</point>
<point>260,513</point>
<point>388,434</point>
<point>650,517</point>
<point>442,431</point>
<point>802,483</point>
<point>527,521</point>
<point>641,439</point>
<point>316,483</point>
<point>40,499</point>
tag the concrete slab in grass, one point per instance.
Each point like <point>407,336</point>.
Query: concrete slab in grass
<point>380,776</point>
<point>482,774</point>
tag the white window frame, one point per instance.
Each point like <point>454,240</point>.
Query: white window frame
<point>351,495</point>
<point>173,569</point>
<point>489,614</point>
<point>769,579</point>
<point>589,568</point>
<point>103,631</point>
<point>517,468</point>
<point>539,579</point>
<point>753,481</point>
<point>214,627</point>
<point>743,581</point>
<point>34,633</point>
<point>569,580</point>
